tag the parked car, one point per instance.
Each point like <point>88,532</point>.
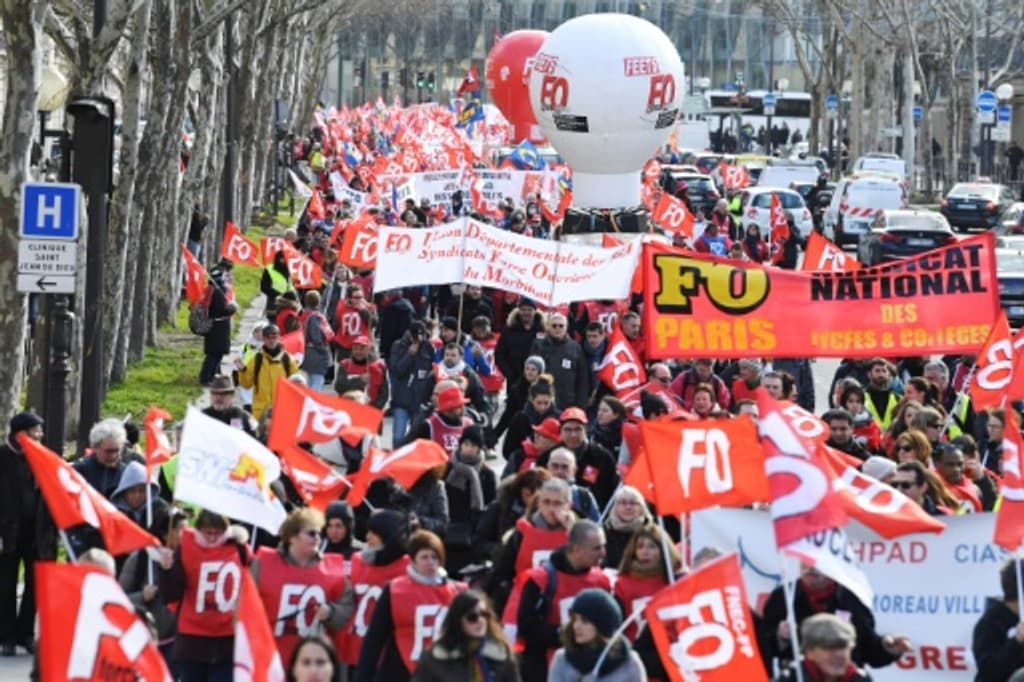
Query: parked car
<point>976,204</point>
<point>701,189</point>
<point>881,161</point>
<point>785,174</point>
<point>898,234</point>
<point>1012,221</point>
<point>856,202</point>
<point>1010,275</point>
<point>756,204</point>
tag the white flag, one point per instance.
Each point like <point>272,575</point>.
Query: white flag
<point>302,190</point>
<point>228,472</point>
<point>830,554</point>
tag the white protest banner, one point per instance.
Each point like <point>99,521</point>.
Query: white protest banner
<point>359,200</point>
<point>594,272</point>
<point>508,261</point>
<point>227,471</point>
<point>419,257</point>
<point>437,186</point>
<point>929,587</point>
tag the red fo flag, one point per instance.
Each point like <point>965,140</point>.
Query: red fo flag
<point>821,254</point>
<point>359,245</point>
<point>313,478</point>
<point>269,246</point>
<point>558,214</point>
<point>302,415</point>
<point>315,207</point>
<point>256,655</point>
<point>89,628</point>
<point>702,626</point>
<point>998,374</point>
<point>672,215</point>
<point>195,277</point>
<point>158,448</point>
<point>702,464</point>
<point>237,248</point>
<point>878,506</point>
<point>734,177</point>
<point>73,502</point>
<point>778,222</point>
<point>1009,531</point>
<point>405,465</point>
<point>799,479</point>
<point>621,370</point>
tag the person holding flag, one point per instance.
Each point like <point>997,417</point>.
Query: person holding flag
<point>828,642</point>
<point>220,307</point>
<point>595,618</point>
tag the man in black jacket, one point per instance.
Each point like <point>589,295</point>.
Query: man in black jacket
<point>27,535</point>
<point>998,640</point>
<point>523,328</point>
<point>840,434</point>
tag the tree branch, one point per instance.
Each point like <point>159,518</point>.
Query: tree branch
<point>204,30</point>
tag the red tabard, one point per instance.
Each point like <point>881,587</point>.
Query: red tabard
<point>212,579</point>
<point>496,381</point>
<point>376,370</point>
<point>297,592</point>
<point>607,314</point>
<point>417,611</point>
<point>537,544</point>
<point>567,589</point>
<point>633,594</point>
<point>367,583</point>
<point>445,435</point>
<point>349,324</point>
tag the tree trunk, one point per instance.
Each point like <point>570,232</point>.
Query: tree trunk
<point>22,27</point>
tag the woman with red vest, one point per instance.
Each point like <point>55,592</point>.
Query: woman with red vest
<point>302,590</point>
<point>409,614</point>
<point>383,559</point>
<point>204,574</point>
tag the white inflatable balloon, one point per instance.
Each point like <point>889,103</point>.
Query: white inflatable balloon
<point>605,89</point>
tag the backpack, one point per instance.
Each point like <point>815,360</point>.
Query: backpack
<point>199,321</point>
<point>258,365</point>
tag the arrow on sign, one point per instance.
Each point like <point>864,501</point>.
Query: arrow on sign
<point>43,282</point>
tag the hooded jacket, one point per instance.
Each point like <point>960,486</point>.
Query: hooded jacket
<point>261,374</point>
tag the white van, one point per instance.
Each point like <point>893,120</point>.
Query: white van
<point>785,174</point>
<point>884,163</point>
<point>856,202</point>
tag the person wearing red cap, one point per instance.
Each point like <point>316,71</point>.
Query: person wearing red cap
<point>595,466</point>
<point>363,371</point>
<point>446,424</point>
<point>546,436</point>
<point>454,366</point>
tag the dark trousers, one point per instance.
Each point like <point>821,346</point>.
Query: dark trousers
<point>207,672</point>
<point>211,368</point>
<point>17,625</point>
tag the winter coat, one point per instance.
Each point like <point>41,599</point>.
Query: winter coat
<point>515,344</point>
<point>317,353</point>
<point>566,362</point>
<point>412,375</point>
<point>440,664</point>
<point>996,652</point>
<point>853,674</point>
<point>134,576</point>
<point>428,500</point>
<point>24,519</point>
<point>471,309</point>
<point>261,374</point>
<point>596,470</point>
<point>218,340</point>
<point>803,376</point>
<point>520,427</point>
<point>104,479</point>
<point>395,318</point>
<point>631,669</point>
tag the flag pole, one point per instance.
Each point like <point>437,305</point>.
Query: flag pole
<point>1020,580</point>
<point>458,323</point>
<point>789,588</point>
<point>67,546</point>
<point>684,531</point>
<point>611,501</point>
<point>149,523</point>
<point>611,640</point>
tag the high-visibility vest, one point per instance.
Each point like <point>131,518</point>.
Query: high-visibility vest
<point>884,420</point>
<point>278,282</point>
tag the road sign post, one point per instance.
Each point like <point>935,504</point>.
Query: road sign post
<point>48,249</point>
<point>768,102</point>
<point>918,114</point>
<point>832,106</point>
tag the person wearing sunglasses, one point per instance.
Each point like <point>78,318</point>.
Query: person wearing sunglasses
<point>472,645</point>
<point>303,591</point>
<point>923,487</point>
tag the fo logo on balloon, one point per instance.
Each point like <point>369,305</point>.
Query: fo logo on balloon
<point>554,93</point>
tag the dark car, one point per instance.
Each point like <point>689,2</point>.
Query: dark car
<point>898,234</point>
<point>976,204</point>
<point>1010,274</point>
<point>1012,221</point>
<point>701,190</point>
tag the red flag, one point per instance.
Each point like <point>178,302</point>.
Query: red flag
<point>302,415</point>
<point>651,172</point>
<point>73,502</point>
<point>359,245</point>
<point>269,246</point>
<point>313,478</point>
<point>1009,530</point>
<point>558,214</point>
<point>702,464</point>
<point>405,465</point>
<point>158,448</point>
<point>470,83</point>
<point>778,222</point>
<point>621,370</point>
<point>482,205</point>
<point>672,215</point>
<point>821,254</point>
<point>237,248</point>
<point>878,506</point>
<point>294,344</point>
<point>315,207</point>
<point>195,277</point>
<point>799,479</point>
<point>89,628</point>
<point>996,379</point>
<point>702,626</point>
<point>256,656</point>
<point>305,273</point>
<point>733,177</point>
<point>639,475</point>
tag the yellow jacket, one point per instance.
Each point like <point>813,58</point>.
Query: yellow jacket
<point>261,373</point>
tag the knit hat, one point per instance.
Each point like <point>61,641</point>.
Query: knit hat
<point>472,434</point>
<point>878,467</point>
<point>340,509</point>
<point>23,421</point>
<point>598,607</point>
<point>525,302</point>
<point>449,323</point>
<point>537,362</point>
<point>389,525</point>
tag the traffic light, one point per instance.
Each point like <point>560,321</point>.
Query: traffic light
<point>385,79</point>
<point>421,79</point>
<point>430,81</point>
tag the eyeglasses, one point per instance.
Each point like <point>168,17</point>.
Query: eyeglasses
<point>311,533</point>
<point>474,616</point>
<point>905,448</point>
<point>556,326</point>
<point>903,485</point>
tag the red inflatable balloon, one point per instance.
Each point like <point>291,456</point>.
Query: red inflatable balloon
<point>507,74</point>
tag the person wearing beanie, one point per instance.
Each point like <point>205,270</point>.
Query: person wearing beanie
<point>383,559</point>
<point>339,522</point>
<point>879,468</point>
<point>27,535</point>
<point>523,326</point>
<point>748,380</point>
<point>470,487</point>
<point>594,618</point>
<point>517,392</point>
